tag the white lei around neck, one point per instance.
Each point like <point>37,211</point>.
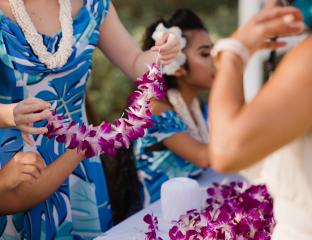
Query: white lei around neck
<point>35,40</point>
<point>198,130</point>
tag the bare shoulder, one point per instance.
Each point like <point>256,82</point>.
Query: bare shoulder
<point>158,107</point>
<point>5,8</point>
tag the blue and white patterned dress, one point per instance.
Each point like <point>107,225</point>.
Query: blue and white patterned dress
<point>154,162</point>
<point>80,208</point>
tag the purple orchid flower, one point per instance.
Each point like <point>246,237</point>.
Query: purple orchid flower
<point>108,137</point>
<point>234,212</point>
<point>152,223</point>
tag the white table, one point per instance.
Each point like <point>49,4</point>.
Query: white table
<point>134,227</point>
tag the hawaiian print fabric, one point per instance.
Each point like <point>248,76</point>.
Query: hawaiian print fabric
<point>157,164</point>
<point>80,208</point>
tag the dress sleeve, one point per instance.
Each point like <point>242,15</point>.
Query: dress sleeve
<point>1,41</point>
<point>166,125</point>
<point>1,15</point>
<point>99,9</point>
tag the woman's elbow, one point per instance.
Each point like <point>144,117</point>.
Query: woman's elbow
<point>222,167</point>
<point>11,208</point>
<point>203,158</point>
<point>225,159</point>
<point>204,164</point>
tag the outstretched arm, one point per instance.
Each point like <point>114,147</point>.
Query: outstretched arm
<point>241,133</point>
<point>121,49</point>
<point>22,115</point>
<point>29,194</point>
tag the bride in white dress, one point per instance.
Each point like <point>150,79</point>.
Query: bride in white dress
<point>275,125</point>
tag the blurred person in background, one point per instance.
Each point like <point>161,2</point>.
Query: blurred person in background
<point>272,133</point>
<point>176,146</point>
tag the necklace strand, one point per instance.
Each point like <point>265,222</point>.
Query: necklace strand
<point>198,130</point>
<point>107,138</point>
<point>35,40</point>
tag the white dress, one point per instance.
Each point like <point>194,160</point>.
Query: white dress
<point>288,175</point>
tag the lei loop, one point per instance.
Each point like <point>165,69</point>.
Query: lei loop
<point>107,138</point>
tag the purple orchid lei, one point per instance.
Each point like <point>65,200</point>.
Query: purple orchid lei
<point>152,223</point>
<point>107,138</point>
<point>233,212</point>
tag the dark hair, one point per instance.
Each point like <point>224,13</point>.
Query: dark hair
<point>122,184</point>
<point>285,2</point>
<point>186,20</point>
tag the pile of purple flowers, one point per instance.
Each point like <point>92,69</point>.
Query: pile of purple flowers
<point>106,138</point>
<point>233,212</point>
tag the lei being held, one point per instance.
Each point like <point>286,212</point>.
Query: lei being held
<point>107,138</point>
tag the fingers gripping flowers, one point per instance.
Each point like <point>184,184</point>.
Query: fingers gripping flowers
<point>107,138</point>
<point>180,58</point>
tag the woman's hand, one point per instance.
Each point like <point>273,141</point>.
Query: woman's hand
<point>22,168</point>
<point>168,46</point>
<point>26,113</point>
<point>267,24</point>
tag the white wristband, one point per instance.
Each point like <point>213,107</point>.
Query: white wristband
<point>232,45</point>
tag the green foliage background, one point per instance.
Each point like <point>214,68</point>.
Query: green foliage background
<point>108,88</point>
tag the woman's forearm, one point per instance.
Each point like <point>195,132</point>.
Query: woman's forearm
<point>242,134</point>
<point>6,115</point>
<point>142,61</point>
<point>3,186</point>
<point>28,195</point>
<point>227,100</point>
<point>195,152</point>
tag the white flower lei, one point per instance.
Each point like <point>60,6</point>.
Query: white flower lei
<point>198,129</point>
<point>35,40</point>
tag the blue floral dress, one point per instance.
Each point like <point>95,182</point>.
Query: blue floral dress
<point>80,208</point>
<point>154,162</point>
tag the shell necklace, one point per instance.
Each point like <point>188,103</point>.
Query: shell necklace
<point>35,40</point>
<point>198,129</point>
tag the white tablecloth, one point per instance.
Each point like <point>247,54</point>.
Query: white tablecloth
<point>134,227</point>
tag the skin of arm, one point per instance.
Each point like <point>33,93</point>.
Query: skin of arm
<point>3,186</point>
<point>23,167</point>
<point>195,152</point>
<point>28,195</point>
<point>23,114</point>
<point>6,115</point>
<point>121,49</point>
<point>242,134</point>
<point>116,43</point>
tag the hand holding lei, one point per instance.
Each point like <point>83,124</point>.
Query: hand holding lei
<point>107,138</point>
